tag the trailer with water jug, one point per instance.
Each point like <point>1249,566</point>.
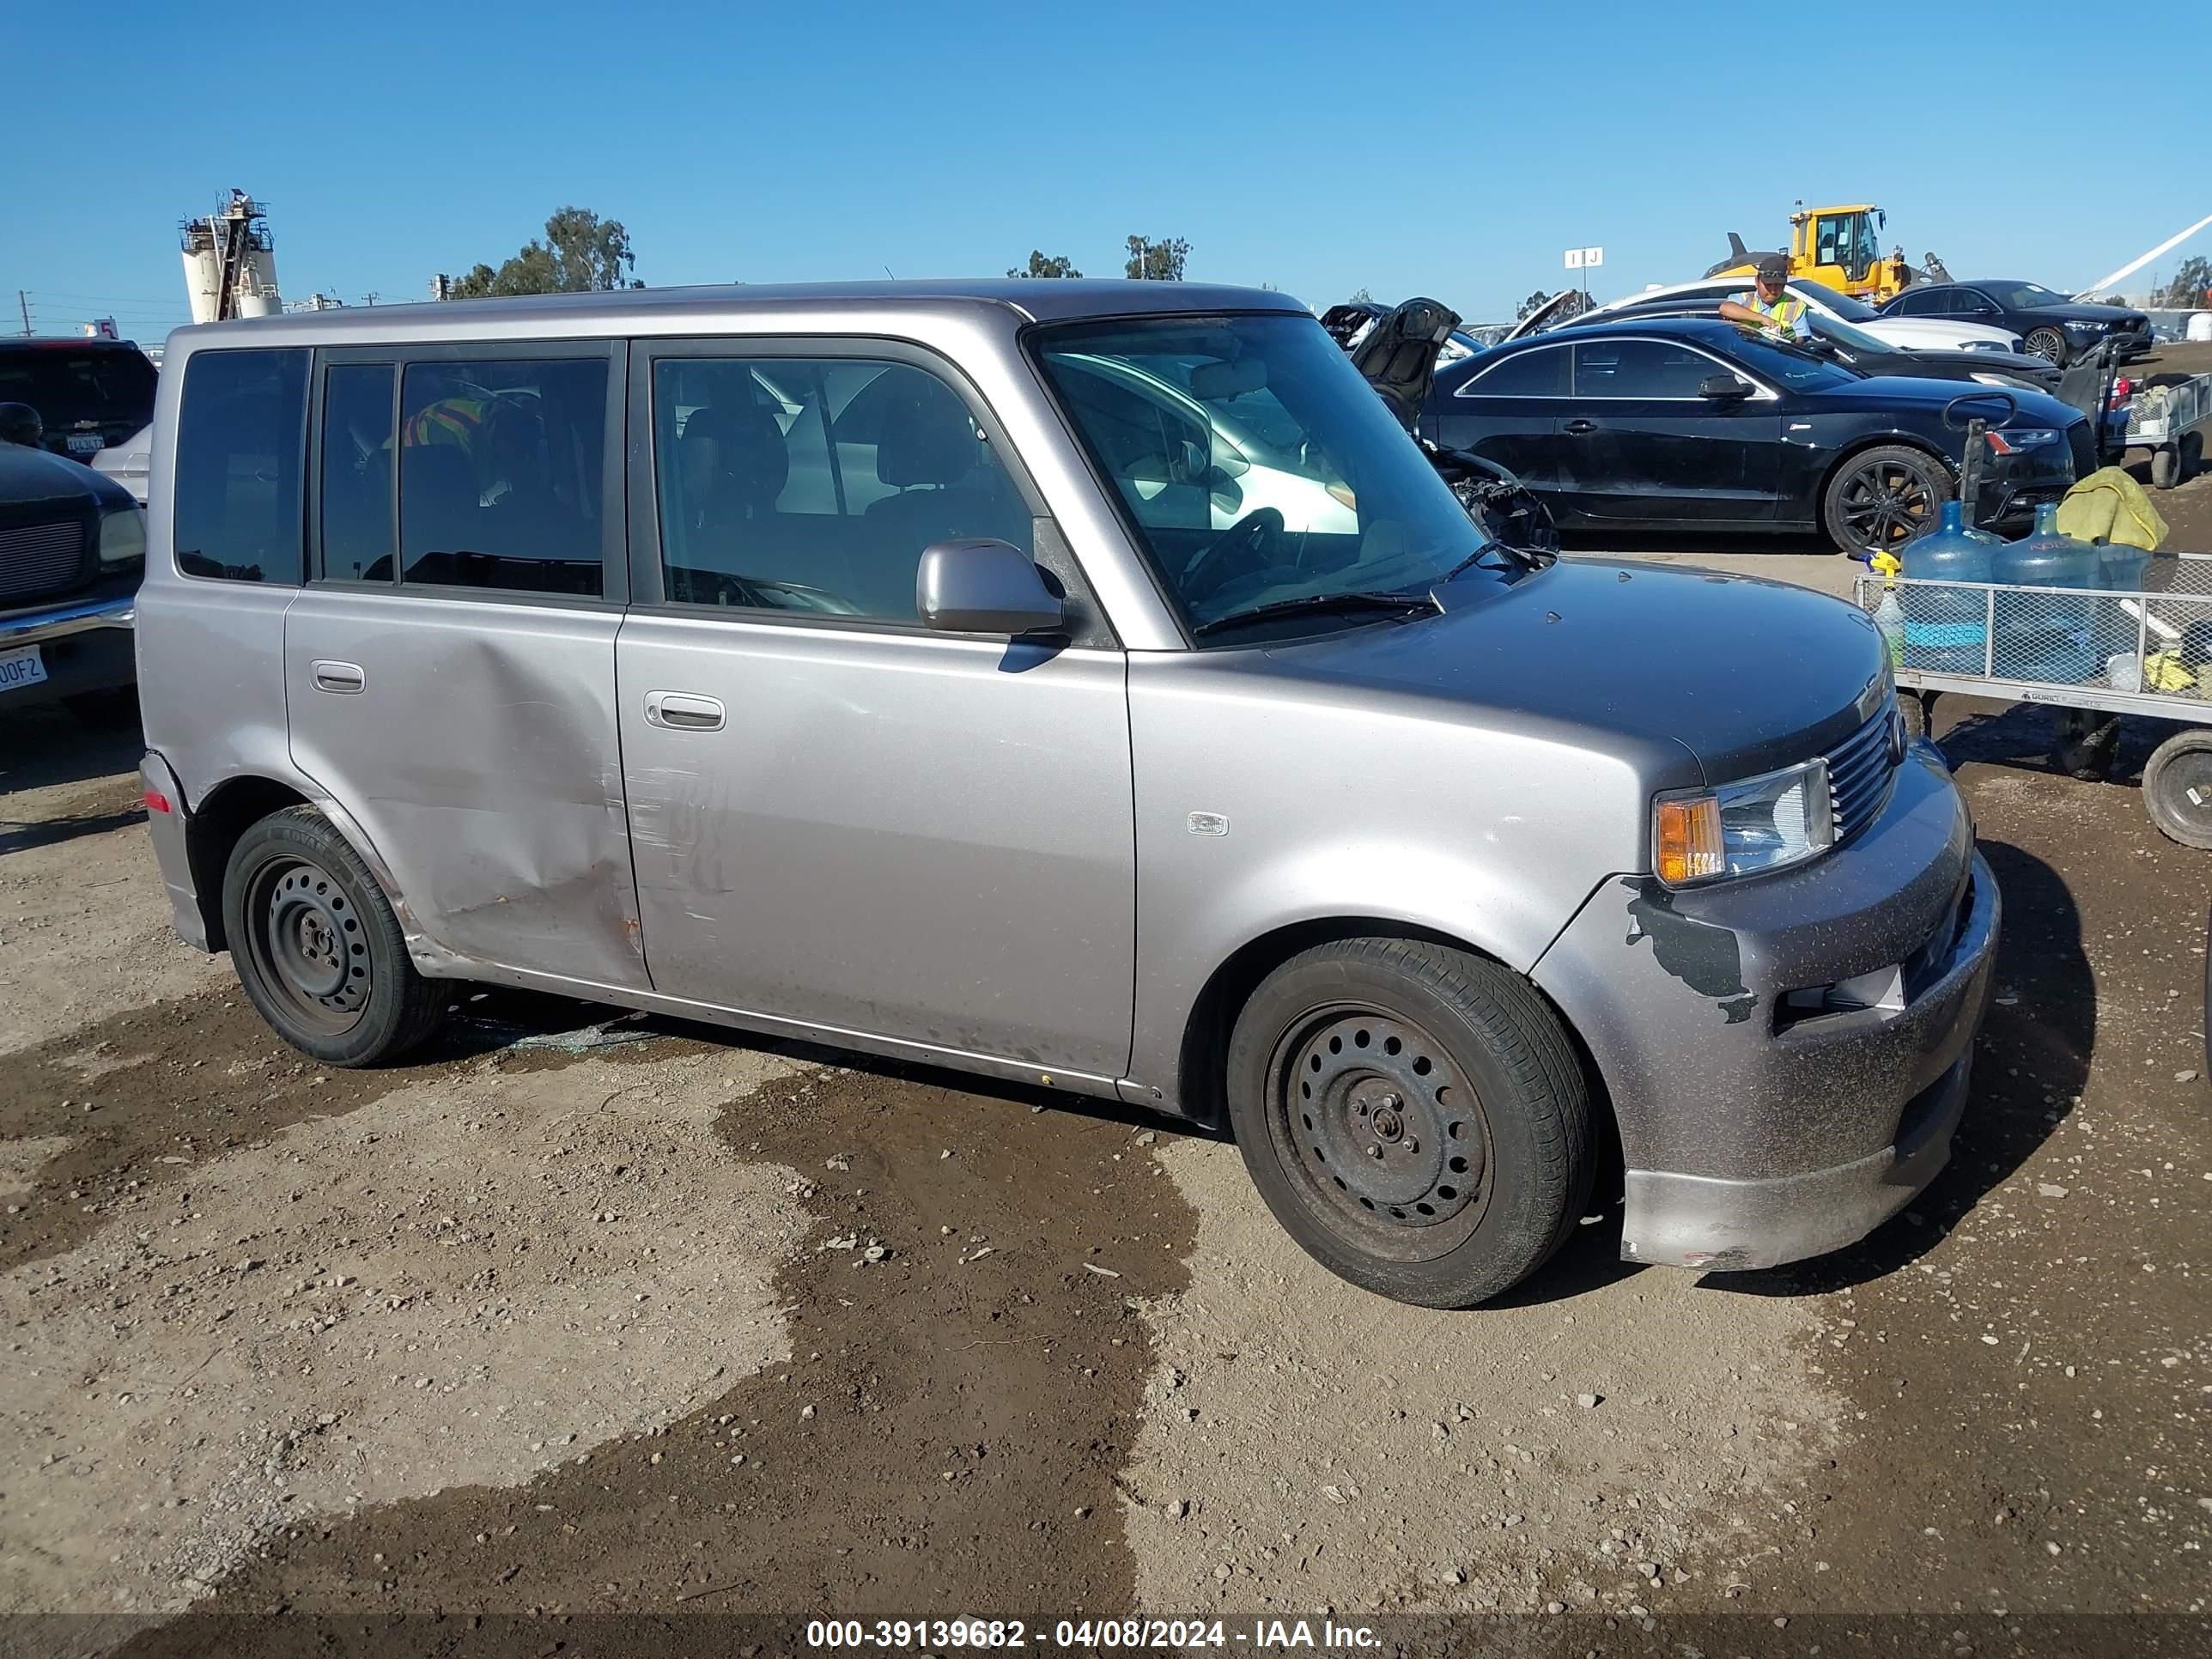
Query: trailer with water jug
<point>2170,422</point>
<point>2142,646</point>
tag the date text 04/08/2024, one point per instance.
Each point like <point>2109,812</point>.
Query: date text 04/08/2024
<point>894,1634</point>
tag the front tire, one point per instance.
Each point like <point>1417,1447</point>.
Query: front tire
<point>2048,344</point>
<point>316,947</point>
<point>1414,1116</point>
<point>1882,497</point>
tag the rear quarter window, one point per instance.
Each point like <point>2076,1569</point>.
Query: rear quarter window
<point>241,439</point>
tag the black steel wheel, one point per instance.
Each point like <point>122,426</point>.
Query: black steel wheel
<point>1883,497</point>
<point>2048,344</point>
<point>1380,1124</point>
<point>2176,787</point>
<point>1415,1117</point>
<point>316,947</point>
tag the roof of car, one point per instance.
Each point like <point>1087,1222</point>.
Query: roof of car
<point>1604,326</point>
<point>1030,299</point>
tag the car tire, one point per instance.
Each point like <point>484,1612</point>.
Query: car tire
<point>316,947</point>
<point>1450,1099</point>
<point>2048,344</point>
<point>1918,478</point>
<point>2176,787</point>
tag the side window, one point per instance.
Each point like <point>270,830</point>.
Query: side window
<point>1541,373</point>
<point>355,485</point>
<point>241,435</point>
<point>1640,368</point>
<point>1921,303</point>
<point>502,471</point>
<point>791,484</point>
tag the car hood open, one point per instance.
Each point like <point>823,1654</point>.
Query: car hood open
<point>1747,674</point>
<point>1398,356</point>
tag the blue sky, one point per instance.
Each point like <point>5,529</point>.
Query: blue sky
<point>1319,148</point>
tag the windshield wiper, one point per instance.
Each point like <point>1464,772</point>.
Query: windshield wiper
<point>1311,604</point>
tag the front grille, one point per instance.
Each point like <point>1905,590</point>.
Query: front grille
<point>40,558</point>
<point>2082,441</point>
<point>1861,773</point>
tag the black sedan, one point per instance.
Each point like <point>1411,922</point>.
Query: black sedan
<point>1854,348</point>
<point>1673,422</point>
<point>2054,326</point>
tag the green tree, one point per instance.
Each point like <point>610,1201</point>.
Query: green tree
<point>1043,265</point>
<point>1574,306</point>
<point>1157,259</point>
<point>1360,296</point>
<point>2191,286</point>
<point>581,252</point>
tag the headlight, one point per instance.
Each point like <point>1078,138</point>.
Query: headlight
<point>123,536</point>
<point>1743,828</point>
<point>2013,438</point>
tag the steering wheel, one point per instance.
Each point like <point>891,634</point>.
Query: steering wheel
<point>1253,535</point>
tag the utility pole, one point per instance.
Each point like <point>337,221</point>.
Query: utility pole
<point>23,300</point>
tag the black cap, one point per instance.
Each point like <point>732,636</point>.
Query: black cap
<point>1773,269</point>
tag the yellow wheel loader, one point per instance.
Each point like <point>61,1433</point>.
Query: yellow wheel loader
<point>1839,247</point>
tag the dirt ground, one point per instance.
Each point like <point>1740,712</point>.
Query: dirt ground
<point>646,1338</point>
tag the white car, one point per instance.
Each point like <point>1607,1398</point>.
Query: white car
<point>1906,333</point>
<point>130,463</point>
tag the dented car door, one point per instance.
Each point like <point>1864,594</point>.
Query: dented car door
<point>449,671</point>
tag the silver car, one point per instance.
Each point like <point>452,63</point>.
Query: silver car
<point>910,668</point>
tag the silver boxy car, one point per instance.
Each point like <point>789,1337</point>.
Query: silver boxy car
<point>911,669</point>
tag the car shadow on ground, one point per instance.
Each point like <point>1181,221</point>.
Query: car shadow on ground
<point>2030,1066</point>
<point>48,746</point>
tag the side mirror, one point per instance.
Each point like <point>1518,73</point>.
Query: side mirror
<point>20,424</point>
<point>1723,388</point>
<point>983,586</point>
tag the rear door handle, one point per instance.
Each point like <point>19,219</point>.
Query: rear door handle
<point>681,711</point>
<point>343,678</point>
<point>1579,427</point>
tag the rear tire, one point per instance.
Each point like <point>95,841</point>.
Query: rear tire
<point>1415,1117</point>
<point>2050,344</point>
<point>2176,787</point>
<point>316,947</point>
<point>1883,497</point>
<point>2165,468</point>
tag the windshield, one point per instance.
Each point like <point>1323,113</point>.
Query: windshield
<point>1851,339</point>
<point>2022,296</point>
<point>1824,298</point>
<point>1789,365</point>
<point>1253,462</point>
<point>67,386</point>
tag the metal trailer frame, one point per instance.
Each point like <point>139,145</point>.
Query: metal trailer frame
<point>2175,435</point>
<point>2180,806</point>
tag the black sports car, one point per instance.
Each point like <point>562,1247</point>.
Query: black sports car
<point>1854,348</point>
<point>2054,326</point>
<point>1673,422</point>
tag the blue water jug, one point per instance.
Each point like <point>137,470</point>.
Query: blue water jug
<point>2042,638</point>
<point>1946,628</point>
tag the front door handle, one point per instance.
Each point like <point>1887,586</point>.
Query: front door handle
<point>343,678</point>
<point>1579,429</point>
<point>681,711</point>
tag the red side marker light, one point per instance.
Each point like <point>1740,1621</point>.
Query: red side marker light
<point>156,801</point>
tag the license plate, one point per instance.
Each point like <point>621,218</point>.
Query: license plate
<point>85,443</point>
<point>21,668</point>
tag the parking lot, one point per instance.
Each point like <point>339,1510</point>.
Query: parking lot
<point>575,1314</point>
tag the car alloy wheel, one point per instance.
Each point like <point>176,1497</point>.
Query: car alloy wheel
<point>1884,502</point>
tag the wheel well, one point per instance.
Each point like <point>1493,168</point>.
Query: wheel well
<point>230,810</point>
<point>1879,440</point>
<point>1201,1073</point>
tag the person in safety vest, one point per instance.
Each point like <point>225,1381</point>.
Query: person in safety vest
<point>1770,305</point>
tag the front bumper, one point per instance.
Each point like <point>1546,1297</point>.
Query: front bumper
<point>85,646</point>
<point>1755,1132</point>
<point>2014,486</point>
